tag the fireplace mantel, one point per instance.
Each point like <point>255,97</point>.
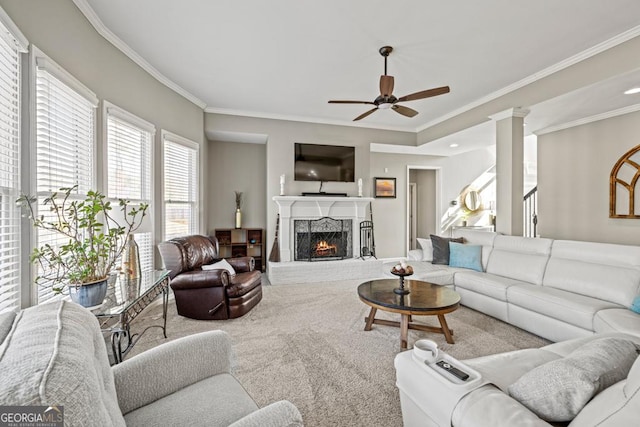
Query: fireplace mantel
<point>313,207</point>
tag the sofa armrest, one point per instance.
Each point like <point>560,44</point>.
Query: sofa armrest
<point>489,406</point>
<point>170,367</point>
<point>242,264</point>
<point>278,414</point>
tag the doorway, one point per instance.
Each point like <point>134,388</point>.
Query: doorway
<point>423,203</point>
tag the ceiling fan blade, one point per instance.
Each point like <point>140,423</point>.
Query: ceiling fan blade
<point>425,94</point>
<point>363,115</point>
<point>351,102</point>
<point>405,111</point>
<point>386,85</point>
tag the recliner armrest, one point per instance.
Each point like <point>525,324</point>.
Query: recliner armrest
<point>242,264</point>
<point>278,414</point>
<point>200,279</point>
<point>170,367</point>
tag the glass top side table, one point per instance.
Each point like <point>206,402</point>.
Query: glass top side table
<point>125,300</point>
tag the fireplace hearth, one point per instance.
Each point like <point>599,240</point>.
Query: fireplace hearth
<point>323,239</point>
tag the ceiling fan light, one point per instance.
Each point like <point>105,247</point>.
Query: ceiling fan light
<point>385,106</point>
<point>632,91</point>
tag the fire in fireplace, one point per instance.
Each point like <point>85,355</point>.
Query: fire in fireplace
<point>323,239</point>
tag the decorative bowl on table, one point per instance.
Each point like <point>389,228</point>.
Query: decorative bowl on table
<point>402,270</point>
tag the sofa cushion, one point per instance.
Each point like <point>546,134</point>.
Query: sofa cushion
<point>56,354</point>
<point>635,304</point>
<point>558,390</point>
<point>6,322</point>
<point>433,273</point>
<point>196,405</point>
<point>465,256</point>
<point>568,307</point>
<point>243,283</point>
<point>427,249</point>
<point>441,248</point>
<point>220,265</point>
<point>485,283</point>
<point>600,270</point>
<point>504,369</point>
<point>477,237</point>
<point>617,320</point>
<point>520,258</point>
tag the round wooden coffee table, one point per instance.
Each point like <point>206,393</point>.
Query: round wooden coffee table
<point>423,299</point>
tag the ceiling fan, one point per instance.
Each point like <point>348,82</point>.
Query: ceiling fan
<point>386,99</point>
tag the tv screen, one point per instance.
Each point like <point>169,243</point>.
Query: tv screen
<point>315,162</point>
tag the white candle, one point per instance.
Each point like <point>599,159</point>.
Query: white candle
<point>282,179</point>
<point>359,187</point>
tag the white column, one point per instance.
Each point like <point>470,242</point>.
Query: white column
<point>510,171</point>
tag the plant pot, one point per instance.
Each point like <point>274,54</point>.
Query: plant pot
<point>89,294</point>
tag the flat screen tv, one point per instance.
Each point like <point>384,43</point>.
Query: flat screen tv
<point>314,162</point>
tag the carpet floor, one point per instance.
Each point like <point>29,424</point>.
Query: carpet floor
<point>306,344</point>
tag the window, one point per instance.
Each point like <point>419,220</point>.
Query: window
<point>181,208</point>
<point>65,140</point>
<point>129,152</point>
<point>11,46</point>
<point>128,155</point>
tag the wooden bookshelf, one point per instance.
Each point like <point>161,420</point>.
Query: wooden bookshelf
<point>238,242</point>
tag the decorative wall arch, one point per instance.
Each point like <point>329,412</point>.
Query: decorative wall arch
<point>623,183</point>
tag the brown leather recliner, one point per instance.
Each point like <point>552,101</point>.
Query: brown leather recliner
<point>209,294</point>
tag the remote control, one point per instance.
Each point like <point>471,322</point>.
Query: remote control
<point>453,370</point>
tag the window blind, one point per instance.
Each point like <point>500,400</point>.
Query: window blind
<point>129,148</point>
<point>180,187</point>
<point>65,141</point>
<point>129,159</point>
<point>10,86</point>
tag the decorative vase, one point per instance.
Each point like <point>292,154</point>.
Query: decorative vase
<point>238,218</point>
<point>131,259</point>
<point>89,294</point>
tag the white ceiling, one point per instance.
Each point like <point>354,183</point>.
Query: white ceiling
<point>286,59</point>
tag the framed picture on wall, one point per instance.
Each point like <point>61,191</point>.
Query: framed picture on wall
<point>384,187</point>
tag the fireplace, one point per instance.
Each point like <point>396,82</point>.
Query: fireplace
<point>323,239</point>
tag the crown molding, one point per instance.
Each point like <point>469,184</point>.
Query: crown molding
<point>590,119</point>
<point>572,60</point>
<point>21,42</point>
<point>313,120</point>
<point>511,112</point>
<point>99,26</point>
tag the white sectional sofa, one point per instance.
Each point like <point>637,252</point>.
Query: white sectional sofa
<point>431,399</point>
<point>557,289</point>
<point>574,293</point>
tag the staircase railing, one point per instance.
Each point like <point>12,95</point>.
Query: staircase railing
<point>531,213</point>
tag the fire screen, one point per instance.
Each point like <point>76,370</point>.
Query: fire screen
<point>323,239</point>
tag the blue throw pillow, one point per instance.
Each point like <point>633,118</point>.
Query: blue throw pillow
<point>465,256</point>
<point>635,306</point>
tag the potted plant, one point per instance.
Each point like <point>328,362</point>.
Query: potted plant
<point>94,241</point>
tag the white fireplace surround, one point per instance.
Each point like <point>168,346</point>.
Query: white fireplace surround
<point>291,208</point>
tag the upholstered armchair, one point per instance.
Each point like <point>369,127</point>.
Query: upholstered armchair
<point>204,293</point>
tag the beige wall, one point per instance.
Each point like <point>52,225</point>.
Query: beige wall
<point>236,167</point>
<point>573,181</point>
<point>390,215</point>
<point>281,136</point>
<point>62,32</point>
